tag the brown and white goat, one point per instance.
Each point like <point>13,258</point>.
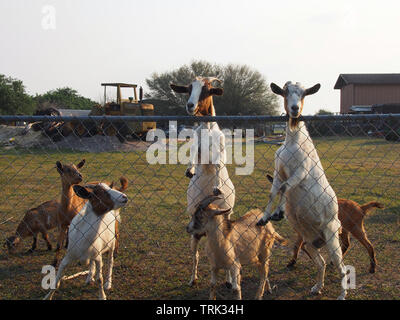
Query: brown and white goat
<point>351,215</point>
<point>231,244</point>
<point>306,197</point>
<point>92,232</point>
<point>211,177</point>
<point>36,220</point>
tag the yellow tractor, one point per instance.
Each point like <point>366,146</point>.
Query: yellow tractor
<point>127,107</point>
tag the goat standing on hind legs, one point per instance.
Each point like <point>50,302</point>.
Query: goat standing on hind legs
<point>306,196</point>
<point>211,177</point>
<point>71,204</point>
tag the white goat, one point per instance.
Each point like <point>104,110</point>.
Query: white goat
<point>209,175</point>
<point>231,244</point>
<point>306,196</point>
<point>92,232</point>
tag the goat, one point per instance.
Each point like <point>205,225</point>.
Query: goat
<point>231,244</point>
<point>351,215</point>
<point>92,232</point>
<point>36,220</point>
<point>205,178</point>
<point>71,204</point>
<point>306,196</point>
<point>124,186</point>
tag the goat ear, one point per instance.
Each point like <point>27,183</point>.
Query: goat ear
<point>82,192</point>
<point>312,90</point>
<point>219,211</point>
<point>179,89</point>
<point>277,89</point>
<point>270,178</point>
<point>111,185</point>
<point>59,167</point>
<point>80,164</point>
<point>124,184</point>
<point>216,91</point>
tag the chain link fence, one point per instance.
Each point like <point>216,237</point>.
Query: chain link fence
<point>360,155</point>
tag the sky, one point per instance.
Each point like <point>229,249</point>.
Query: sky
<point>56,43</point>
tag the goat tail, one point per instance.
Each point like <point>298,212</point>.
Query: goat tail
<point>373,204</point>
<point>124,183</point>
<point>280,239</point>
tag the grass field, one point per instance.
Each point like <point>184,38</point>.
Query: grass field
<point>154,260</point>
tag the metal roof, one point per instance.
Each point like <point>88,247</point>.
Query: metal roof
<point>367,78</point>
<point>361,108</point>
<point>74,112</point>
<point>122,85</point>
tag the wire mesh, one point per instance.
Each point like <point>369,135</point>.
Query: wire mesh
<point>38,154</point>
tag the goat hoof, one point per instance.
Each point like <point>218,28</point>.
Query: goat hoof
<point>291,264</point>
<point>192,282</point>
<point>372,270</point>
<point>107,286</point>
<point>278,216</point>
<point>55,263</point>
<point>49,248</point>
<point>228,285</point>
<point>342,296</point>
<point>316,290</point>
<point>318,243</point>
<point>217,192</point>
<point>30,251</point>
<point>189,174</point>
<point>261,222</point>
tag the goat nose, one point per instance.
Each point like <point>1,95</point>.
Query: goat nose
<point>295,108</point>
<point>190,105</point>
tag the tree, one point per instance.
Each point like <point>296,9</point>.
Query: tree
<point>13,98</point>
<point>245,90</point>
<point>65,98</point>
<point>323,112</point>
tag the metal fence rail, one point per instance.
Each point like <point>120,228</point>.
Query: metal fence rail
<point>360,155</point>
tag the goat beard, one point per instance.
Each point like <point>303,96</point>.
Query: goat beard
<point>293,123</point>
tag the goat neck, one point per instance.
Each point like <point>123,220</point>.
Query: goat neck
<point>297,134</point>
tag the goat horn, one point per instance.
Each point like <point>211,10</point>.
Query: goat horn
<point>207,200</point>
<point>211,79</point>
<point>91,186</point>
<point>221,211</point>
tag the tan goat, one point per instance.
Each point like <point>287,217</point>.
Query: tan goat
<point>231,244</point>
<point>71,204</point>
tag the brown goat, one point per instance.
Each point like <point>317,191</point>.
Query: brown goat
<point>36,220</point>
<point>71,204</point>
<point>351,216</point>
